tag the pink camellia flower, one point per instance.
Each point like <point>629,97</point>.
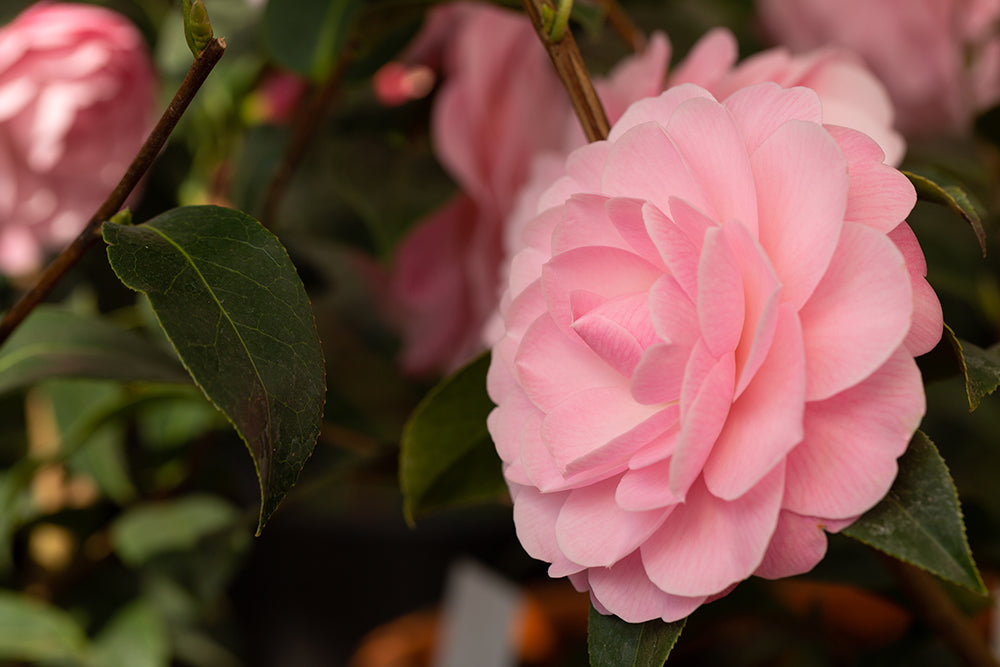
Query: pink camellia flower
<point>708,348</point>
<point>940,59</point>
<point>77,88</point>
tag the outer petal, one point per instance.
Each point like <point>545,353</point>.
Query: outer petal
<point>594,531</point>
<point>625,590</point>
<point>535,517</point>
<point>797,545</point>
<point>847,460</point>
<point>859,313</point>
<point>707,544</point>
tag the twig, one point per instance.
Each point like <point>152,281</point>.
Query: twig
<point>72,254</point>
<point>305,128</point>
<point>569,65</point>
<point>940,614</point>
<point>623,25</point>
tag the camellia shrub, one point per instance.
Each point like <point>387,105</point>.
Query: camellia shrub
<point>677,318</point>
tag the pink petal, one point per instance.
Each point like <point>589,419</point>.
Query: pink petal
<point>761,292</point>
<point>859,313</point>
<point>798,544</point>
<point>760,110</point>
<point>627,216</point>
<point>847,460</point>
<point>703,418</point>
<point>552,364</point>
<point>646,488</point>
<point>535,517</point>
<point>593,530</point>
<point>928,324</point>
<point>879,196</point>
<point>626,591</point>
<point>721,305</point>
<point>645,164</point>
<point>601,427</point>
<point>609,272</point>
<point>765,422</point>
<point>585,223</point>
<point>801,193</point>
<point>679,252</point>
<point>584,167</point>
<point>655,109</point>
<point>673,314</point>
<point>708,544</point>
<point>660,373</point>
<point>708,60</point>
<point>707,138</point>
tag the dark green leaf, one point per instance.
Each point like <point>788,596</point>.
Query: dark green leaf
<point>308,35</point>
<point>940,191</point>
<point>149,530</point>
<point>612,642</point>
<point>31,630</point>
<point>136,636</point>
<point>920,520</point>
<point>982,372</point>
<point>58,343</point>
<point>233,306</point>
<point>447,456</point>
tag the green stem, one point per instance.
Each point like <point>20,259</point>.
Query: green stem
<point>67,259</point>
<point>561,20</point>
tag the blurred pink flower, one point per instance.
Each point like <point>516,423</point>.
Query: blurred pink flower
<point>708,348</point>
<point>277,97</point>
<point>77,89</point>
<point>939,59</point>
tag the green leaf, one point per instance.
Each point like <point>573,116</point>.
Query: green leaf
<point>447,456</point>
<point>920,520</point>
<point>31,630</point>
<point>612,642</point>
<point>58,343</point>
<point>146,531</point>
<point>982,372</point>
<point>308,35</point>
<point>951,195</point>
<point>230,301</point>
<point>136,636</point>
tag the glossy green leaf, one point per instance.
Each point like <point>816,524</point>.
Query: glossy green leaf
<point>612,642</point>
<point>136,636</point>
<point>58,343</point>
<point>31,630</point>
<point>308,35</point>
<point>446,456</point>
<point>920,520</point>
<point>232,304</point>
<point>146,531</point>
<point>941,191</point>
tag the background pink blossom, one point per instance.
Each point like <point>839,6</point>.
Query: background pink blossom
<point>708,348</point>
<point>939,59</point>
<point>77,88</point>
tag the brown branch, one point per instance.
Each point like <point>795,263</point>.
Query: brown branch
<point>940,614</point>
<point>72,254</point>
<point>569,65</point>
<point>305,128</point>
<point>623,25</point>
